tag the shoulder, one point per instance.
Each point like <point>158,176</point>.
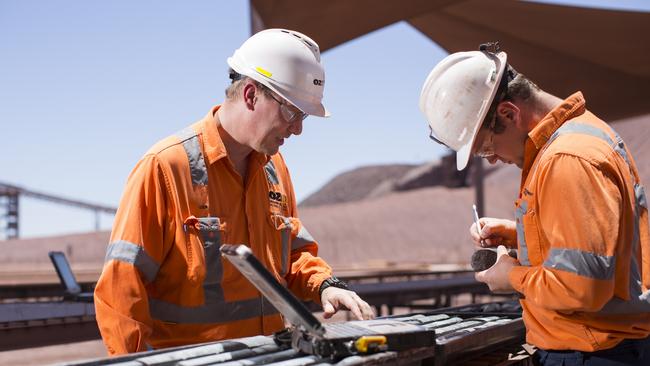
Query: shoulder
<point>585,139</point>
<point>172,150</point>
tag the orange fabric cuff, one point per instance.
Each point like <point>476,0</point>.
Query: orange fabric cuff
<point>516,277</point>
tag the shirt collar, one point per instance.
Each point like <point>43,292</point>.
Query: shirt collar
<point>213,146</point>
<point>570,108</point>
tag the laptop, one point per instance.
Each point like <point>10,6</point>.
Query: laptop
<point>69,282</point>
<point>311,336</point>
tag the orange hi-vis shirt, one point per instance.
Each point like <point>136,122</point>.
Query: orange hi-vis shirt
<point>164,282</point>
<point>583,236</point>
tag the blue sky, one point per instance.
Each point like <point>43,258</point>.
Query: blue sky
<point>87,86</point>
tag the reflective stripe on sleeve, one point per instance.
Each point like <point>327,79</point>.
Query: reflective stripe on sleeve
<point>127,252</point>
<point>586,264</point>
<point>303,238</point>
<point>639,301</point>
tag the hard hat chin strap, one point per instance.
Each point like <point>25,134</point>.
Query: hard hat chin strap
<point>234,75</point>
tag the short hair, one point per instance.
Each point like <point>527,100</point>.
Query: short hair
<point>238,80</point>
<point>518,87</point>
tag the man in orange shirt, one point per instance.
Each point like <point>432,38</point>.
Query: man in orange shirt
<point>220,180</point>
<point>581,226</point>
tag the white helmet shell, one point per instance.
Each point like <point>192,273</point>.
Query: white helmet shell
<point>457,95</point>
<point>286,62</point>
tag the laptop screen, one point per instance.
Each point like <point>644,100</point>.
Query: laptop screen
<point>65,273</point>
<point>242,257</point>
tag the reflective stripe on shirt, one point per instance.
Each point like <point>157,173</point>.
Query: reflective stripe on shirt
<point>127,252</point>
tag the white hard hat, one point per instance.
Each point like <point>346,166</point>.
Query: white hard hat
<point>457,95</point>
<point>286,62</point>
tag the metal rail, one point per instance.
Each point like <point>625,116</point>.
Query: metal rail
<point>10,193</point>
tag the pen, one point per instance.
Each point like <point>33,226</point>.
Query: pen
<point>476,221</point>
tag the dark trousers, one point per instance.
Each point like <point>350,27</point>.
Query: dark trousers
<point>629,352</point>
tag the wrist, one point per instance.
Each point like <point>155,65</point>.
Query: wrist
<point>332,282</point>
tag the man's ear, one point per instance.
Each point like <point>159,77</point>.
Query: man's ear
<point>510,113</point>
<point>249,95</point>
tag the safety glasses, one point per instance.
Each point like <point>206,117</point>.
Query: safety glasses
<point>486,149</point>
<point>289,114</point>
<point>433,137</point>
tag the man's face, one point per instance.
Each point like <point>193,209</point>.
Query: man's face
<point>506,146</point>
<point>274,125</point>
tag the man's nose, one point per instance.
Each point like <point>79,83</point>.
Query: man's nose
<point>295,127</point>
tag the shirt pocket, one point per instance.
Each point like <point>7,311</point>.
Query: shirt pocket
<point>204,236</point>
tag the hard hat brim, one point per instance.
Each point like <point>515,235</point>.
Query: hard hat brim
<point>465,152</point>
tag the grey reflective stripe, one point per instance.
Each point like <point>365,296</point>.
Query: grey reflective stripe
<point>639,301</point>
<point>598,267</point>
<point>210,312</point>
<point>303,238</point>
<point>211,237</point>
<point>286,238</point>
<point>580,128</point>
<point>639,193</point>
<point>209,228</point>
<point>127,252</point>
<point>271,174</point>
<point>635,305</point>
<point>192,148</point>
<point>521,237</point>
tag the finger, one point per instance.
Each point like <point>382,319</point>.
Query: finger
<point>328,310</point>
<point>354,308</point>
<point>501,250</point>
<point>491,242</point>
<point>486,230</point>
<point>473,231</point>
<point>369,313</point>
<point>480,276</point>
<point>366,309</point>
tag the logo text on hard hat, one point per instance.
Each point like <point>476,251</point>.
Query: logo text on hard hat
<point>318,82</point>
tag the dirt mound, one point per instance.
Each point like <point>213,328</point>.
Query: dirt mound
<point>355,184</point>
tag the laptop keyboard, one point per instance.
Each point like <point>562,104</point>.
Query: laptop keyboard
<point>344,330</point>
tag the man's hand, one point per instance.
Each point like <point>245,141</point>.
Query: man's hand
<point>496,277</point>
<point>494,232</point>
<point>334,299</point>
